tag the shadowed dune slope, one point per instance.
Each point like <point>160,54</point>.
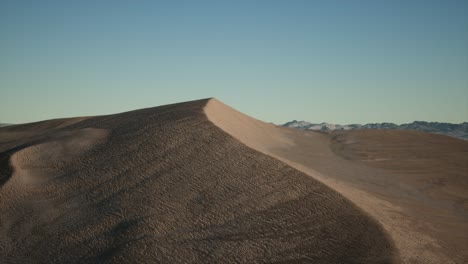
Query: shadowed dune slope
<point>414,184</point>
<point>166,185</point>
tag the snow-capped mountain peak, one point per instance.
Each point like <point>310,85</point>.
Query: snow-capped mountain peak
<point>453,130</point>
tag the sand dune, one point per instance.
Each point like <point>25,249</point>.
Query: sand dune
<point>200,182</point>
<point>166,185</point>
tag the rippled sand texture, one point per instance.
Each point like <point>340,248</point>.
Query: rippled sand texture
<point>168,185</point>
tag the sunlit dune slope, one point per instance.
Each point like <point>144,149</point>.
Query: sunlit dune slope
<point>414,184</point>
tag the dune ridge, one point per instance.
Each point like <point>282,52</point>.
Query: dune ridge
<point>167,185</point>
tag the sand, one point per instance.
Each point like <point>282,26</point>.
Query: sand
<point>414,184</point>
<point>199,182</point>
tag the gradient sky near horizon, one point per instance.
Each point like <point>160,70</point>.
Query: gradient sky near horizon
<point>337,61</point>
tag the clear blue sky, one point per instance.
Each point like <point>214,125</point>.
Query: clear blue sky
<point>337,61</point>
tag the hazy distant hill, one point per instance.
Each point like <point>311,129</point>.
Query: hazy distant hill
<point>453,130</point>
<point>3,124</point>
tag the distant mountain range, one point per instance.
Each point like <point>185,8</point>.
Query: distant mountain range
<point>453,130</point>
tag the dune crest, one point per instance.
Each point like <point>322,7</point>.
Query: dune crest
<point>254,133</point>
